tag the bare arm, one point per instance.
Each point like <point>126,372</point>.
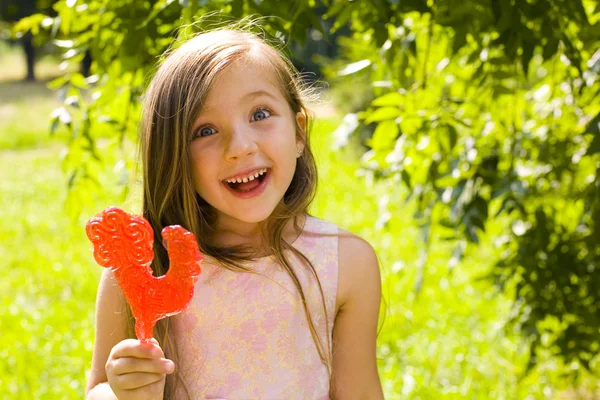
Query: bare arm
<point>355,373</point>
<point>111,328</point>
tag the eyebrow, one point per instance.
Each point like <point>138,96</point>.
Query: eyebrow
<point>258,93</point>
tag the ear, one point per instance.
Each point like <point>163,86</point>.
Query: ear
<point>301,124</point>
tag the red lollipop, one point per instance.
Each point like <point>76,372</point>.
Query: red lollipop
<point>123,243</point>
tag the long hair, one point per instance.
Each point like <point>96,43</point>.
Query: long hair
<point>172,102</point>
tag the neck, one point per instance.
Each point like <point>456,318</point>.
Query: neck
<point>231,232</point>
<point>234,232</point>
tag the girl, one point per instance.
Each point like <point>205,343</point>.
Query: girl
<point>287,305</point>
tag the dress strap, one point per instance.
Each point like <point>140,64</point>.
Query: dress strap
<point>319,243</point>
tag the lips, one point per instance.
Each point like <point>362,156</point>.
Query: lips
<point>249,189</point>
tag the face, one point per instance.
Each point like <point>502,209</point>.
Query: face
<point>245,127</point>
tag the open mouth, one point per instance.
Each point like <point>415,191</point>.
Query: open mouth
<point>250,185</point>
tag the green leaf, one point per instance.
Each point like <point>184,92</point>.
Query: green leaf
<point>79,81</point>
<point>526,56</point>
<point>594,146</point>
<point>57,83</point>
<point>382,114</point>
<point>389,99</point>
<point>500,90</point>
<point>451,139</point>
<point>385,135</point>
<point>471,232</point>
<point>550,48</point>
<point>460,39</point>
<point>594,125</point>
<point>406,179</point>
<point>31,23</point>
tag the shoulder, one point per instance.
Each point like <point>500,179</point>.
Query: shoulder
<point>359,273</point>
<point>353,248</point>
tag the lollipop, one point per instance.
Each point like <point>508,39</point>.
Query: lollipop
<point>123,243</point>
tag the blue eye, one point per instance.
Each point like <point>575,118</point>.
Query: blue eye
<point>205,131</point>
<point>261,114</point>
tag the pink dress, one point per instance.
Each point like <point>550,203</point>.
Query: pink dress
<point>245,336</point>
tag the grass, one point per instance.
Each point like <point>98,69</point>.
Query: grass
<point>47,286</point>
<point>445,342</point>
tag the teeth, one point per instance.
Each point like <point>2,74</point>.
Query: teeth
<point>247,178</point>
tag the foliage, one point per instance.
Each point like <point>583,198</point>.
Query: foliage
<point>488,110</point>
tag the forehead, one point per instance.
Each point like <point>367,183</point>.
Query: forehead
<point>242,81</point>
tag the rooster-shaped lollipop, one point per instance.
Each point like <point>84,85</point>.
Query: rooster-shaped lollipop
<point>123,243</point>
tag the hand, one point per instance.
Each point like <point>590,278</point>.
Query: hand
<point>136,370</point>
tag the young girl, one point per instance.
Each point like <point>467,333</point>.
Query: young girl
<point>287,304</point>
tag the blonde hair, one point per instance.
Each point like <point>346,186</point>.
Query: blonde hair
<point>172,102</point>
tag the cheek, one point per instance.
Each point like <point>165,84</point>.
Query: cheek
<point>287,160</point>
<point>200,171</point>
<point>284,136</point>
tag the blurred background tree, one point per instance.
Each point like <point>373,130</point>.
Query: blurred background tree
<point>482,116</point>
<point>14,10</point>
<point>488,110</point>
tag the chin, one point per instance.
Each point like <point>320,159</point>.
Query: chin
<point>254,216</point>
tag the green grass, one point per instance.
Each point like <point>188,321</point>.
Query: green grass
<point>25,111</point>
<point>447,342</point>
<point>47,287</point>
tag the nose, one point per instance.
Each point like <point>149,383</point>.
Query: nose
<point>241,143</point>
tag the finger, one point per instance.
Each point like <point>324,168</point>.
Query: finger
<point>136,380</point>
<point>137,349</point>
<point>126,365</point>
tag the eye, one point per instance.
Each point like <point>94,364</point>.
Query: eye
<point>261,114</point>
<point>204,131</point>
